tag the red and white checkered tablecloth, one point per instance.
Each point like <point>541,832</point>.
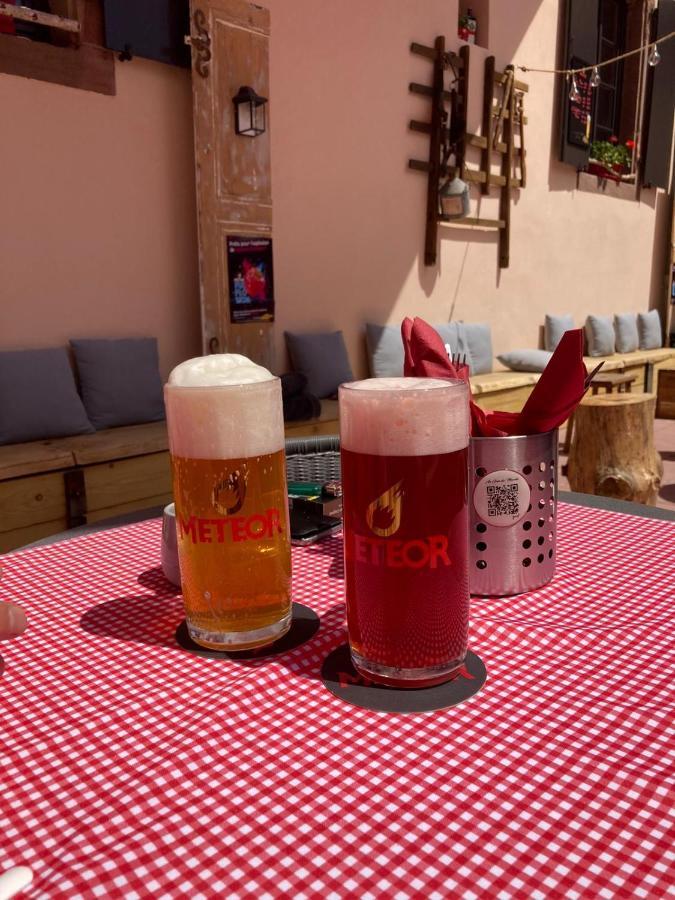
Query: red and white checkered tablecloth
<point>130,768</point>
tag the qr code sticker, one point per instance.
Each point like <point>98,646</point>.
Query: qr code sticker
<point>502,499</point>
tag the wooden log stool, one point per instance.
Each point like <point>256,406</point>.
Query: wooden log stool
<point>608,381</point>
<point>612,451</point>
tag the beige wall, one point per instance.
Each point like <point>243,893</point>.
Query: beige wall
<point>349,216</point>
<point>98,212</point>
<point>98,222</point>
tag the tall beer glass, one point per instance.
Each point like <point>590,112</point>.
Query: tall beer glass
<point>404,448</point>
<point>226,437</point>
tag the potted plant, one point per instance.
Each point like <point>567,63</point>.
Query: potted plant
<point>610,159</point>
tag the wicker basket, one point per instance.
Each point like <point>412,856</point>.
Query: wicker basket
<point>313,458</point>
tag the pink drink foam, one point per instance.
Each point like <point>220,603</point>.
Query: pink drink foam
<point>404,416</point>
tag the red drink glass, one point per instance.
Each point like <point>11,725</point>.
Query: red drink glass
<point>404,449</point>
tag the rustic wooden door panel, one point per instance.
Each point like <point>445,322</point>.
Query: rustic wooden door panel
<point>234,194</point>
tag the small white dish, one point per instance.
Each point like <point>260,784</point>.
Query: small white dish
<point>170,566</point>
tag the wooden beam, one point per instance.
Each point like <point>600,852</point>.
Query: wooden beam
<point>470,222</point>
<point>500,78</point>
<point>430,53</point>
<point>463,96</point>
<point>422,127</point>
<point>433,183</point>
<point>87,67</point>
<point>507,170</point>
<point>487,125</point>
<point>426,91</point>
<point>25,14</point>
<point>506,114</point>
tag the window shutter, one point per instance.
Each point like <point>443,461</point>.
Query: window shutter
<point>662,102</point>
<point>581,46</point>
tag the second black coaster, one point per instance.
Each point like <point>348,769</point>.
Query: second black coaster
<point>341,679</point>
<point>304,625</point>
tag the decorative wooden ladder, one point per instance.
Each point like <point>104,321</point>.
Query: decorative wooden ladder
<point>503,102</point>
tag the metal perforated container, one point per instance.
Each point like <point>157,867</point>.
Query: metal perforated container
<point>512,513</point>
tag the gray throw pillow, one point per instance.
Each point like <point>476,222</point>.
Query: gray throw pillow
<point>476,341</point>
<point>38,396</point>
<point>626,331</point>
<point>600,335</point>
<point>385,347</point>
<point>525,360</point>
<point>385,350</point>
<point>554,328</point>
<point>649,330</point>
<point>322,359</point>
<point>450,335</point>
<point>119,380</point>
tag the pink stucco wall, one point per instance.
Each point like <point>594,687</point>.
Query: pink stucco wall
<point>349,216</point>
<point>98,220</point>
<point>98,212</point>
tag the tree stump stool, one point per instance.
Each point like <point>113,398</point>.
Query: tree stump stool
<point>612,451</point>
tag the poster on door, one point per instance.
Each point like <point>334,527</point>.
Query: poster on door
<point>250,277</point>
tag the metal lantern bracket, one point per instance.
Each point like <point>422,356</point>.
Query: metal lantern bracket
<point>247,99</point>
<point>448,135</point>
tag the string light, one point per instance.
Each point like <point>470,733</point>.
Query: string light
<point>595,77</point>
<point>654,59</point>
<point>575,96</point>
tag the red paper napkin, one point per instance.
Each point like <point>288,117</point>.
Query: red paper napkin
<point>559,390</point>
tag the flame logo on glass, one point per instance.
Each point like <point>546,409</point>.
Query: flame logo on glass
<point>229,493</point>
<point>384,513</point>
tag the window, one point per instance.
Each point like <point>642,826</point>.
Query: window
<point>620,107</point>
<point>611,43</point>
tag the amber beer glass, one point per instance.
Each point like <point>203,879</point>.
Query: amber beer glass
<point>226,437</point>
<point>404,449</point>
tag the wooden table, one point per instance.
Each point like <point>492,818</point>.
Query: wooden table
<point>132,768</point>
<point>611,380</point>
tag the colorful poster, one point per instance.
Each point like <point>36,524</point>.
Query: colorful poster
<point>250,277</point>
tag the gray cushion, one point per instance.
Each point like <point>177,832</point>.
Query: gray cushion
<point>38,396</point>
<point>385,350</point>
<point>626,332</point>
<point>452,336</point>
<point>554,328</point>
<point>472,339</point>
<point>120,381</point>
<point>525,360</point>
<point>649,330</point>
<point>385,347</point>
<point>476,341</point>
<point>600,335</point>
<point>322,359</point>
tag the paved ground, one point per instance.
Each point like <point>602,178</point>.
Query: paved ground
<point>664,439</point>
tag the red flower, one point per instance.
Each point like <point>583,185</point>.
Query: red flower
<point>630,145</point>
<point>614,139</point>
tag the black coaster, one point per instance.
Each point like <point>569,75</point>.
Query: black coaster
<point>342,679</point>
<point>304,625</point>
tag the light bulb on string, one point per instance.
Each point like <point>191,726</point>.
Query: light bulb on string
<point>595,77</point>
<point>575,96</point>
<point>654,56</point>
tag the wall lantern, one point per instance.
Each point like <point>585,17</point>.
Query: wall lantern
<point>453,198</point>
<point>249,112</point>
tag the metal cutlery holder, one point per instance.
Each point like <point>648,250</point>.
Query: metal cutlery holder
<point>512,513</point>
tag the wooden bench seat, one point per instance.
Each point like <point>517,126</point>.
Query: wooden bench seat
<point>48,486</point>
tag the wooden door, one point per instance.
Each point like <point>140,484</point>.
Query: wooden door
<point>230,48</point>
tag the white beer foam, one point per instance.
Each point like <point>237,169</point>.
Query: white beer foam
<point>404,416</point>
<point>223,406</point>
<point>216,369</point>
